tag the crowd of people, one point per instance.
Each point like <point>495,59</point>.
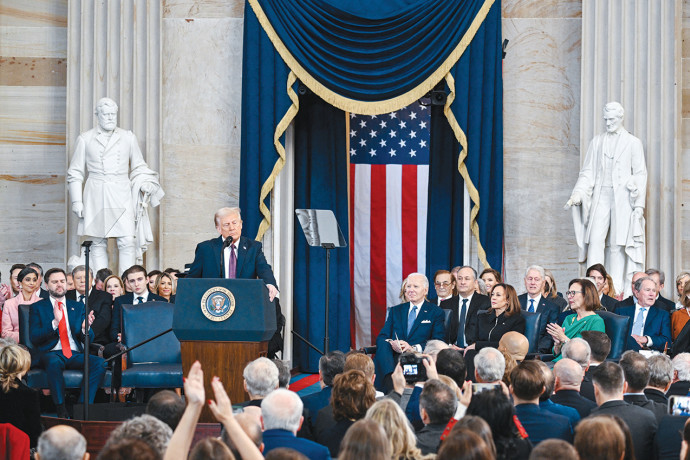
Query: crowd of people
<point>452,378</point>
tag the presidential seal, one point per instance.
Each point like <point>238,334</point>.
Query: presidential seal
<point>218,304</point>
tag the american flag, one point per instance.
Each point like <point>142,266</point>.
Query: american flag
<point>389,179</point>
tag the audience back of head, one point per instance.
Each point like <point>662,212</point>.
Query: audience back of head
<point>527,381</point>
<point>167,407</point>
<point>578,350</point>
<point>463,444</point>
<point>489,365</point>
<point>554,448</point>
<point>681,365</point>
<point>599,438</point>
<point>599,345</point>
<point>451,363</point>
<point>660,371</point>
<point>400,434</point>
<point>477,425</point>
<point>330,365</point>
<point>353,394</point>
<point>360,362</point>
<point>365,439</point>
<point>61,442</point>
<point>145,427</point>
<point>283,373</point>
<point>128,449</point>
<point>282,410</point>
<point>260,377</point>
<point>438,401</point>
<point>636,371</point>
<point>210,448</point>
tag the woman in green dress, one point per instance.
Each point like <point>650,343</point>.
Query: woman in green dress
<point>584,300</point>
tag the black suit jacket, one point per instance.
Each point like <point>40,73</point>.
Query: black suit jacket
<point>608,302</point>
<point>669,437</point>
<point>642,424</point>
<point>657,396</point>
<point>665,304</point>
<point>630,301</point>
<point>492,328</point>
<point>587,387</point>
<point>679,388</point>
<point>126,299</point>
<point>20,406</point>
<point>101,303</point>
<point>659,410</point>
<point>572,398</point>
<point>549,314</point>
<point>479,302</point>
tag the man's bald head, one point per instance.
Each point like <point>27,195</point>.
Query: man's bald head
<point>578,350</point>
<point>62,442</point>
<point>568,374</point>
<point>515,344</point>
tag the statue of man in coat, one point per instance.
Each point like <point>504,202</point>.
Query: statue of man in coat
<point>119,187</point>
<point>608,201</point>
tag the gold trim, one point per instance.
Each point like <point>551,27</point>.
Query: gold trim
<point>266,188</point>
<point>374,107</point>
<point>462,168</point>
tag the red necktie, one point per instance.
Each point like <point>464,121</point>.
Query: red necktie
<point>64,337</point>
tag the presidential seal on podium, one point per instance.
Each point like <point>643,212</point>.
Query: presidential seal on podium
<point>218,304</point>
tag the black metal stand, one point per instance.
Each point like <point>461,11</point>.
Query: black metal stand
<point>87,345</point>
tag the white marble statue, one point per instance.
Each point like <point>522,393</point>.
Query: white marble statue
<point>608,201</point>
<point>119,186</point>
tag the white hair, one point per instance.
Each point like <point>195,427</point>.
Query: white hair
<point>105,102</point>
<point>426,280</point>
<point>578,350</point>
<point>61,442</point>
<point>568,372</point>
<point>222,212</point>
<point>538,268</point>
<point>261,376</point>
<point>681,364</point>
<point>616,108</point>
<point>490,364</point>
<point>433,347</point>
<point>282,410</point>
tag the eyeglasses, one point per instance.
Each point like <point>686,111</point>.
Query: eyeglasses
<point>444,283</point>
<point>572,293</point>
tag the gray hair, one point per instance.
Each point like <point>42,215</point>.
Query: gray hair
<point>538,268</point>
<point>681,364</point>
<point>105,102</point>
<point>61,442</point>
<point>660,371</point>
<point>482,286</point>
<point>654,271</point>
<point>81,268</point>
<point>261,376</point>
<point>146,427</point>
<point>426,280</point>
<point>433,347</point>
<point>222,212</point>
<point>281,410</point>
<point>616,108</point>
<point>283,372</point>
<point>568,372</point>
<point>490,364</point>
<point>578,350</point>
<point>457,269</point>
<point>639,281</point>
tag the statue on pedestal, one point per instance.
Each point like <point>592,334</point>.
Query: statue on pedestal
<point>608,201</point>
<point>119,186</point>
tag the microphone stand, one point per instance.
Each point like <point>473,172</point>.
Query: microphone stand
<point>87,250</point>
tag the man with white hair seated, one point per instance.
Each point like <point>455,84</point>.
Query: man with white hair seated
<point>568,375</point>
<point>281,419</point>
<point>62,442</point>
<point>260,378</point>
<point>489,366</point>
<point>681,375</point>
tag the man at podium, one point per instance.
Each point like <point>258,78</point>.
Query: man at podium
<point>232,255</point>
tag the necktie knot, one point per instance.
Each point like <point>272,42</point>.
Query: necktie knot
<point>531,305</point>
<point>81,298</point>
<point>140,299</point>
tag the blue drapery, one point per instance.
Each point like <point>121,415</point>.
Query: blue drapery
<point>370,58</point>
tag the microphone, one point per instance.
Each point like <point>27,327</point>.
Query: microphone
<point>228,241</point>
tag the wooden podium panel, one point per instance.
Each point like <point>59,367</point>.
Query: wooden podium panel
<point>225,360</point>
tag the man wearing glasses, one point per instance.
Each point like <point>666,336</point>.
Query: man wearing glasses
<point>445,286</point>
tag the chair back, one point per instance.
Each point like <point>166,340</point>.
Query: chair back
<point>617,330</point>
<point>141,322</point>
<point>446,319</point>
<point>532,329</point>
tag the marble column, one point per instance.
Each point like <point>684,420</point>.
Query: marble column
<point>114,51</point>
<point>631,54</point>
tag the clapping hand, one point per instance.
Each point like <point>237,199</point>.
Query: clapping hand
<point>556,332</point>
<point>194,385</point>
<point>222,406</point>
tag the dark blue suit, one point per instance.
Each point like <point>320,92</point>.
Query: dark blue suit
<point>657,326</point>
<point>251,262</point>
<point>126,299</point>
<point>541,424</point>
<point>549,314</point>
<point>44,338</point>
<point>428,325</point>
<point>314,402</point>
<point>274,439</point>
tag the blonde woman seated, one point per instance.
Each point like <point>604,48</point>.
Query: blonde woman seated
<point>28,294</point>
<point>19,404</point>
<point>164,286</point>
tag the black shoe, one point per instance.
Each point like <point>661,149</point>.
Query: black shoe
<point>62,411</point>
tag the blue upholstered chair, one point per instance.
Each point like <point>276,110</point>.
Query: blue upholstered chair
<point>532,329</point>
<point>617,330</point>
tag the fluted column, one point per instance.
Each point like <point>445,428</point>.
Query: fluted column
<point>114,51</point>
<point>631,54</point>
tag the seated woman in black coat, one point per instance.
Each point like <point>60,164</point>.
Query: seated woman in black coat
<point>503,316</point>
<point>19,404</point>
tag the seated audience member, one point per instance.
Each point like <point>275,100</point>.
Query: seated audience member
<point>502,317</point>
<point>164,286</point>
<point>650,328</point>
<point>330,365</point>
<point>353,394</point>
<point>261,377</point>
<point>15,285</point>
<point>568,376</point>
<point>451,363</point>
<point>609,387</point>
<point>637,373</point>
<point>681,280</point>
<point>515,344</point>
<point>464,445</point>
<point>167,407</point>
<point>510,365</point>
<point>527,384</point>
<point>462,329</point>
<point>610,289</point>
<point>583,300</point>
<point>365,439</point>
<point>479,426</point>
<point>660,378</point>
<point>61,442</point>
<point>211,448</point>
<point>498,411</point>
<point>114,286</point>
<point>281,416</point>
<point>679,318</point>
<point>629,446</point>
<point>102,275</point>
<point>149,429</point>
<point>444,283</point>
<point>554,448</point>
<point>18,403</point>
<point>534,301</point>
<point>551,291</point>
<point>599,347</point>
<point>57,328</point>
<point>28,294</point>
<point>403,443</point>
<point>127,449</point>
<point>489,366</point>
<point>491,278</point>
<point>600,438</point>
<point>152,275</point>
<point>433,347</point>
<point>283,373</point>
<point>437,405</point>
<point>100,303</point>
<point>660,279</point>
<point>408,327</point>
<point>681,375</point>
<point>598,273</point>
<point>251,425</point>
<point>545,401</point>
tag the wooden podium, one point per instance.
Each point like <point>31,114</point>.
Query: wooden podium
<point>224,324</point>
